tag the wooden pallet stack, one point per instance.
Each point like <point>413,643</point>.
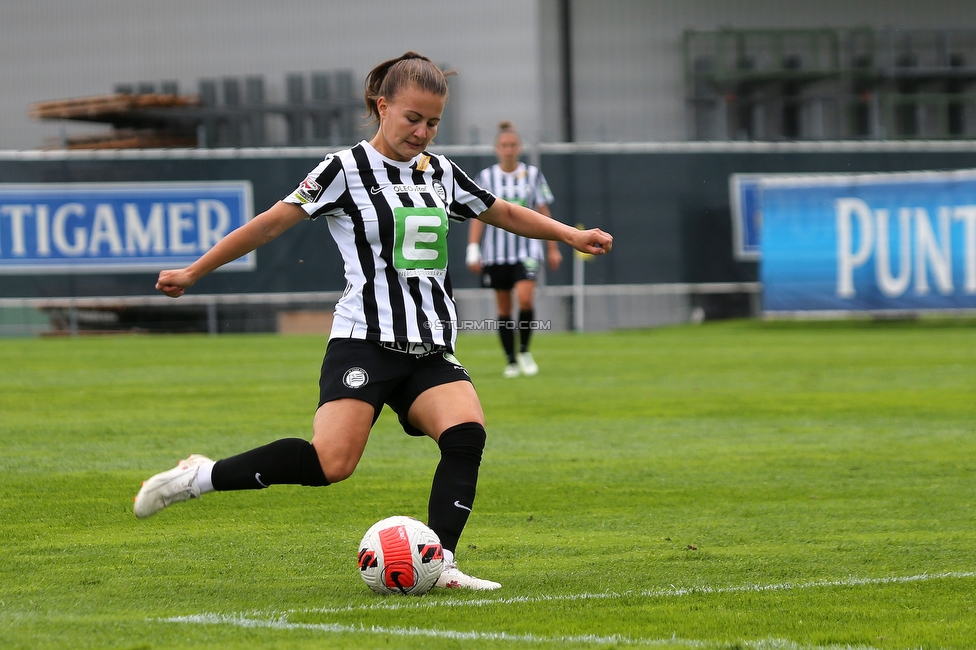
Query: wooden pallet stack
<point>320,109</point>
<point>149,120</point>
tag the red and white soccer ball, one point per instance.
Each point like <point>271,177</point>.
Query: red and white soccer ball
<point>400,555</point>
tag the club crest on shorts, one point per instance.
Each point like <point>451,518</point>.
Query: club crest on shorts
<point>355,378</point>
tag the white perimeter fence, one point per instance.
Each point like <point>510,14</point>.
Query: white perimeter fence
<point>576,307</point>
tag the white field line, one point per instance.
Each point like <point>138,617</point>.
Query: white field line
<point>457,635</point>
<point>673,592</point>
<point>283,624</point>
<point>280,620</point>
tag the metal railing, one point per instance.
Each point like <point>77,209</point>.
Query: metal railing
<point>587,305</point>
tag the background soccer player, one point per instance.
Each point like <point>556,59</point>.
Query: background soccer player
<point>506,260</point>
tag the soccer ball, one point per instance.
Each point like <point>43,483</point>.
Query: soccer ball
<point>400,555</point>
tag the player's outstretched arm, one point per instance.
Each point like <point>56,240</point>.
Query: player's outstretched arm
<point>259,230</point>
<point>529,223</point>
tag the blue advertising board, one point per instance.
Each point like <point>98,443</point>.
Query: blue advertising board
<point>746,216</point>
<point>117,227</point>
<point>869,242</point>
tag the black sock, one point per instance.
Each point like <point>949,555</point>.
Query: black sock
<point>526,317</point>
<point>506,331</point>
<point>289,461</point>
<point>455,479</point>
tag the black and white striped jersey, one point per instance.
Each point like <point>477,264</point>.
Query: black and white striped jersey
<point>525,186</point>
<point>390,222</point>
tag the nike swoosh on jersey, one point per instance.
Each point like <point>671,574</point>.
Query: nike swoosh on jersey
<point>377,189</point>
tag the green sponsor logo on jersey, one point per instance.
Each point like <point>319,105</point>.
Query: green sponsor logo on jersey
<point>420,245</point>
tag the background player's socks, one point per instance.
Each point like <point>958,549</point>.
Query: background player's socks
<point>525,320</point>
<point>506,332</point>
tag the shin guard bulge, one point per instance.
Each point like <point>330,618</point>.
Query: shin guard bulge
<point>455,481</point>
<point>289,461</point>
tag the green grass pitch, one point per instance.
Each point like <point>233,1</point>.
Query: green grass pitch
<point>735,485</point>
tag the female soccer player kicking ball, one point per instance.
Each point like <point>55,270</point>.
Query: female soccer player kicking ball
<point>386,202</point>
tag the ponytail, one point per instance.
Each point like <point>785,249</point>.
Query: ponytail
<point>389,77</point>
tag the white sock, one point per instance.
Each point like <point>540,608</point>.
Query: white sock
<point>448,557</point>
<point>203,477</point>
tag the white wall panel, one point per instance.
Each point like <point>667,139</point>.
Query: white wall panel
<point>52,49</point>
<point>628,59</point>
<point>627,53</point>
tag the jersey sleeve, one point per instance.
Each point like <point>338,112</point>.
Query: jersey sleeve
<point>543,195</point>
<point>483,179</point>
<point>468,199</point>
<point>321,190</point>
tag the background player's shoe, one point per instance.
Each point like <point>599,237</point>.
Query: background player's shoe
<point>511,371</point>
<point>452,578</point>
<point>171,486</point>
<point>527,364</point>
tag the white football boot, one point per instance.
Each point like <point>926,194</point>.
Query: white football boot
<point>171,486</point>
<point>527,364</point>
<point>511,371</point>
<point>452,578</point>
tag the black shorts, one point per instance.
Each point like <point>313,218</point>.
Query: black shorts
<point>367,371</point>
<point>502,277</point>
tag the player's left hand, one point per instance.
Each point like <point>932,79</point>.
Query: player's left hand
<point>174,282</point>
<point>593,241</point>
